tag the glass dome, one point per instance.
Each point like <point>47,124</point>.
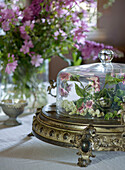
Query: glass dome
<point>92,90</point>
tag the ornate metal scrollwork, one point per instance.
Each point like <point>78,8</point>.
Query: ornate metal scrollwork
<point>84,143</point>
<point>123,114</point>
<point>57,130</point>
<point>109,142</point>
<point>53,85</point>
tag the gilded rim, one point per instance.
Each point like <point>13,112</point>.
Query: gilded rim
<point>58,130</point>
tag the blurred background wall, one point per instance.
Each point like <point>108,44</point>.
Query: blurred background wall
<point>113,24</point>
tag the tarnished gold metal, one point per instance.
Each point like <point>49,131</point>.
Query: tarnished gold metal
<point>84,144</point>
<point>85,135</point>
<point>123,114</point>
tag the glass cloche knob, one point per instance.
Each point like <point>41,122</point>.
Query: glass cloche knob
<point>106,56</point>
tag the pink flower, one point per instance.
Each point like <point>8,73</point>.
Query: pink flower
<point>81,109</point>
<point>28,14</point>
<point>29,44</point>
<point>23,29</point>
<point>64,76</point>
<point>12,65</point>
<point>97,89</point>
<point>16,9</point>
<point>89,104</point>
<point>43,20</point>
<point>29,24</point>
<point>77,46</point>
<point>25,36</point>
<point>79,31</point>
<point>35,7</point>
<point>36,60</point>
<point>2,5</point>
<point>56,35</point>
<point>63,92</point>
<point>95,83</point>
<point>63,34</point>
<point>68,87</point>
<point>26,47</point>
<point>91,49</point>
<point>6,25</point>
<point>96,79</point>
<point>7,14</point>
<point>61,12</point>
<point>60,32</point>
<point>80,39</point>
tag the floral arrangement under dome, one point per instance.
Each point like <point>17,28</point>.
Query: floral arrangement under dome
<point>92,96</point>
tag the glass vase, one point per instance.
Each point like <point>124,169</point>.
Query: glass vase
<point>27,84</point>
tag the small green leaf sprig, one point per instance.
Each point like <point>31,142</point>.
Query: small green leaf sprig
<point>111,97</point>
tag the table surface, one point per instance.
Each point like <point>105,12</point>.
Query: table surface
<point>20,152</point>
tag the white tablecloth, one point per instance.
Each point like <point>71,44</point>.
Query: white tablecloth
<point>19,152</point>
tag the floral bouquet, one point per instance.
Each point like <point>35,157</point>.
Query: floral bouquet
<point>35,33</point>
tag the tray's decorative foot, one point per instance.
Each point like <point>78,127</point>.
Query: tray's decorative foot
<point>83,162</point>
<point>84,143</point>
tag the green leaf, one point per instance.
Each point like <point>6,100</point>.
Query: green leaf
<point>79,102</point>
<point>115,112</point>
<point>112,80</point>
<point>119,93</point>
<point>74,56</point>
<point>79,91</point>
<point>74,78</point>
<point>116,99</point>
<point>1,54</point>
<point>68,17</point>
<point>77,59</point>
<point>108,115</point>
<point>119,103</point>
<point>78,62</point>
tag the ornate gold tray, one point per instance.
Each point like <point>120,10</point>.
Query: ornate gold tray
<point>85,135</point>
